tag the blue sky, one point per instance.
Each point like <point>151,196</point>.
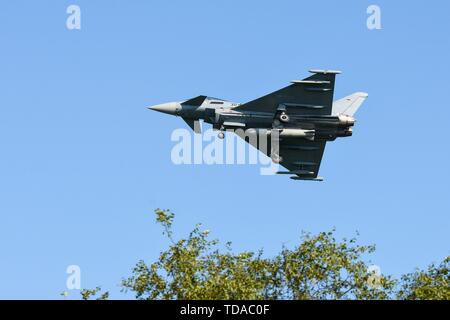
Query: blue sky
<point>83,163</point>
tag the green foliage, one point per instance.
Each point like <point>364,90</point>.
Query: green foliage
<point>319,267</point>
<point>87,294</point>
<point>323,268</point>
<point>195,268</point>
<point>430,284</point>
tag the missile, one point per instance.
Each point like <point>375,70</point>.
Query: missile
<point>301,172</point>
<point>307,179</point>
<point>296,133</point>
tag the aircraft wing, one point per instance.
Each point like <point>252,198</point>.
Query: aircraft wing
<point>310,96</point>
<point>301,157</point>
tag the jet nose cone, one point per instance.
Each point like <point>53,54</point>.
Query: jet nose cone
<point>169,108</point>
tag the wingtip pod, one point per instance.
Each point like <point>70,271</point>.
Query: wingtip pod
<point>318,179</point>
<point>325,71</point>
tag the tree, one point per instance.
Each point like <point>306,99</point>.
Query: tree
<point>430,284</point>
<point>87,294</point>
<point>195,268</point>
<point>319,267</point>
<point>323,268</point>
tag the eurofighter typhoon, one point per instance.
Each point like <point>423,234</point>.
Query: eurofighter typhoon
<point>302,117</point>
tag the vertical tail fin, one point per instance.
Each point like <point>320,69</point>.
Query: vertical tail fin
<point>350,104</point>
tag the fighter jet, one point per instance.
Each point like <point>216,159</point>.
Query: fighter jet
<point>302,117</point>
